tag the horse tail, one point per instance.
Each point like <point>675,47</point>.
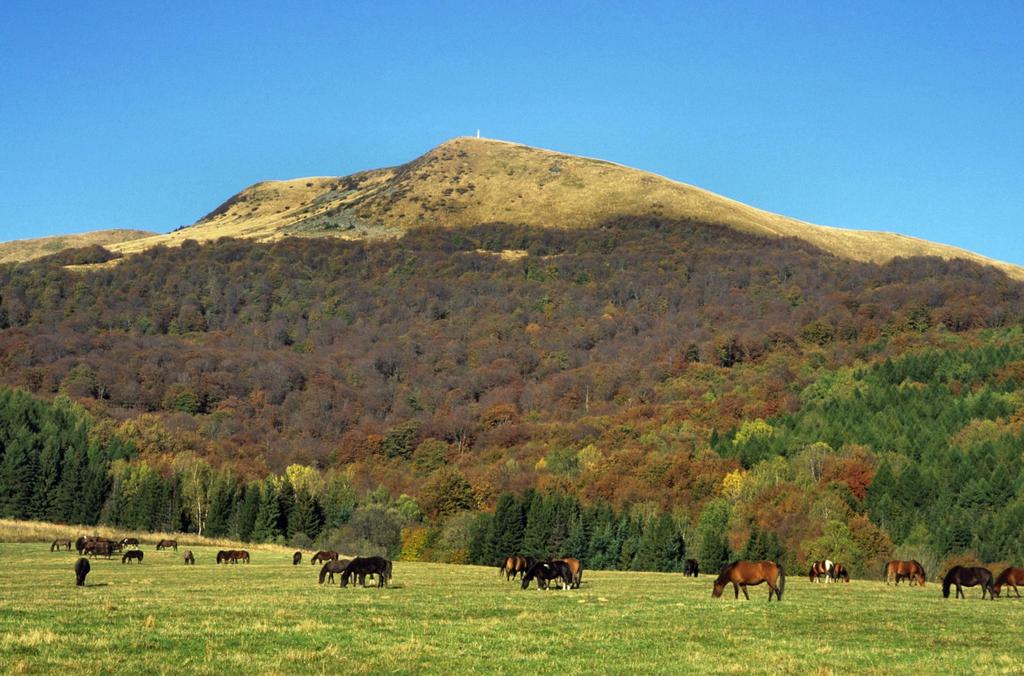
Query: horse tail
<point>387,572</point>
<point>782,581</point>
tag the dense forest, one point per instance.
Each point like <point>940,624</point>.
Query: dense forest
<point>628,393</point>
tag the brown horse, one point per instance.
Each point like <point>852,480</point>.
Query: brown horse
<point>336,566</point>
<point>99,548</point>
<point>968,576</point>
<point>323,557</point>
<point>167,544</point>
<point>130,542</point>
<point>57,544</point>
<point>839,572</point>
<point>576,568</point>
<point>742,573</point>
<point>132,555</point>
<point>514,565</point>
<point>190,558</point>
<point>236,555</point>
<point>904,570</point>
<point>1011,577</point>
<point>296,558</point>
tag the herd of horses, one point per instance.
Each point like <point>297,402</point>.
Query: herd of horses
<point>567,572</point>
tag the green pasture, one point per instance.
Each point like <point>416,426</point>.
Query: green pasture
<point>270,616</point>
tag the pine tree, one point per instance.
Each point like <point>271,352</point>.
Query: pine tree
<point>509,526</point>
<point>712,537</point>
<point>245,512</point>
<point>660,548</point>
<point>66,502</point>
<point>481,541</point>
<point>305,516</point>
<point>17,476</point>
<point>268,515</point>
<point>539,519</point>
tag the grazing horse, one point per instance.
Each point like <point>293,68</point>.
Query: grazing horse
<point>545,571</point>
<point>80,544</point>
<point>236,555</point>
<point>1011,577</point>
<point>81,570</point>
<point>690,568</point>
<point>575,568</point>
<point>296,558</point>
<point>370,565</point>
<point>223,556</point>
<point>130,542</point>
<point>515,565</point>
<point>167,544</point>
<point>968,577</point>
<point>821,569</point>
<point>133,555</point>
<point>742,573</point>
<point>839,572</point>
<point>904,570</point>
<point>190,559</point>
<point>99,548</point>
<point>323,557</point>
<point>337,566</point>
<point>57,544</point>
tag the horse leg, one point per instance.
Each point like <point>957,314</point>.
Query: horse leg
<point>736,590</point>
<point>1015,590</point>
<point>745,594</point>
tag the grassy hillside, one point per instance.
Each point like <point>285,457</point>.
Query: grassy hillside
<point>468,181</point>
<point>455,619</point>
<point>30,249</point>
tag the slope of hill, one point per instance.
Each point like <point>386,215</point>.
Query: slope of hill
<point>22,250</point>
<point>467,181</point>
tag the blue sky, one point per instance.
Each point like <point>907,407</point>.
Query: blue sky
<point>897,116</point>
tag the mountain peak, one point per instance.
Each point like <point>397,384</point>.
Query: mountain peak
<point>468,180</point>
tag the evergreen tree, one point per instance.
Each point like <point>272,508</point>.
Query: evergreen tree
<point>577,543</point>
<point>539,520</point>
<point>266,527</point>
<point>305,516</point>
<point>481,541</point>
<point>44,498</point>
<point>17,476</point>
<point>712,536</point>
<point>661,548</point>
<point>509,526</point>
<point>66,501</point>
<point>246,511</point>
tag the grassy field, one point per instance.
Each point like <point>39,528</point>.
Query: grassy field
<point>272,617</point>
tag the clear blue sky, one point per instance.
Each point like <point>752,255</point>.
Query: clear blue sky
<point>896,116</point>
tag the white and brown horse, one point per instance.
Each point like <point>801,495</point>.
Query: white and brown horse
<point>821,569</point>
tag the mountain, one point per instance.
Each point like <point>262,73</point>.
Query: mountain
<point>638,367</point>
<point>30,249</point>
<point>468,181</point>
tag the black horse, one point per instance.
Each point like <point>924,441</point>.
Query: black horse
<point>296,558</point>
<point>132,555</point>
<point>968,577</point>
<point>690,568</point>
<point>370,565</point>
<point>331,567</point>
<point>545,571</point>
<point>190,558</point>
<point>81,570</point>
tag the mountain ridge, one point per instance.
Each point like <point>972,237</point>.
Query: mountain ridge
<point>468,181</point>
